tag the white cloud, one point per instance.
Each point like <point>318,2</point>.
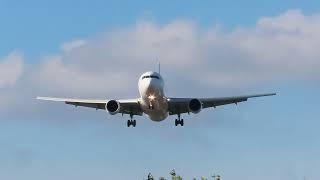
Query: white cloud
<point>68,46</point>
<point>277,48</point>
<point>55,76</point>
<point>11,68</point>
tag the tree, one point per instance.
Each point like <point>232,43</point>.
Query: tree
<point>216,177</point>
<point>150,177</point>
<point>173,174</point>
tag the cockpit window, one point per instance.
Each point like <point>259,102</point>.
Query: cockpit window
<point>152,76</point>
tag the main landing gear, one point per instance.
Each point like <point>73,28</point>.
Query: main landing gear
<point>131,122</point>
<point>179,121</point>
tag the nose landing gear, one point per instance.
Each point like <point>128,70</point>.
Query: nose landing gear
<point>151,107</point>
<point>179,121</point>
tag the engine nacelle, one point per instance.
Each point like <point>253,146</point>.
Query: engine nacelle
<point>113,107</point>
<point>195,106</point>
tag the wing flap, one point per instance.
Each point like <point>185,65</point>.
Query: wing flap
<point>89,105</point>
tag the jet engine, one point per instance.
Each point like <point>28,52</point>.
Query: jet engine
<point>113,107</point>
<point>195,106</point>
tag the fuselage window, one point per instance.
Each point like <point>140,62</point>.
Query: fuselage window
<point>156,77</point>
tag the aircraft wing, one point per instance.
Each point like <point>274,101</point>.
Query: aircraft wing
<point>127,106</point>
<point>180,105</point>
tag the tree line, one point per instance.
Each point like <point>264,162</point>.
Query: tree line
<point>174,176</point>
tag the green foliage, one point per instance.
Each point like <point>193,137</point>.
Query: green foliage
<point>174,176</point>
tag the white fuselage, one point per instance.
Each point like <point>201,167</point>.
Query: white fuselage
<point>153,101</point>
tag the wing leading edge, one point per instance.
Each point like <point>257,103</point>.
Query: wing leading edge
<point>180,105</point>
<point>127,106</point>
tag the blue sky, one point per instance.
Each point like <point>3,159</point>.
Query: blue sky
<point>273,137</point>
<point>38,26</point>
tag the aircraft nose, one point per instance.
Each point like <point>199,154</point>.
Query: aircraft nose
<point>153,83</point>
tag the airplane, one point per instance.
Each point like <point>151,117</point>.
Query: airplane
<point>153,103</point>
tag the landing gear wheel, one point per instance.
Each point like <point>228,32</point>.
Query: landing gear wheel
<point>131,122</point>
<point>134,123</point>
<point>179,121</point>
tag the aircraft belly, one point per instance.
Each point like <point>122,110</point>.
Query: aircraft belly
<point>157,116</point>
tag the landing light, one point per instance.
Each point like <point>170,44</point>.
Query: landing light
<point>151,97</point>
